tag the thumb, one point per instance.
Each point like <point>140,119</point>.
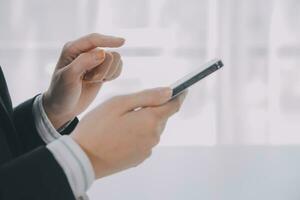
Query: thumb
<point>146,98</point>
<point>85,62</point>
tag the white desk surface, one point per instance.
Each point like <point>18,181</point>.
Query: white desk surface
<point>208,173</point>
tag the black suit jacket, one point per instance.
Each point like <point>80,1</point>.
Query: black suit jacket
<point>28,170</point>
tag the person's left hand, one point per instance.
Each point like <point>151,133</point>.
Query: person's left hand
<point>79,74</point>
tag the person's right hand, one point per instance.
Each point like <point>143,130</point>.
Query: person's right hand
<point>120,133</point>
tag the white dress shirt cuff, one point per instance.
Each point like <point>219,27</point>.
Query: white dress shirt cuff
<point>67,152</point>
<point>44,127</point>
<point>75,164</point>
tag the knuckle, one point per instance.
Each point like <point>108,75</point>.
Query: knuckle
<point>153,119</point>
<point>64,76</point>
<point>93,36</point>
<point>72,70</point>
<point>58,75</point>
<point>135,164</point>
<point>67,46</point>
<point>147,154</point>
<point>152,100</point>
<point>155,140</point>
<point>177,105</point>
<point>177,109</point>
<point>149,95</point>
<point>157,116</point>
<point>86,56</point>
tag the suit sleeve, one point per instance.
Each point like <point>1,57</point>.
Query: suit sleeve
<point>26,128</point>
<point>35,175</point>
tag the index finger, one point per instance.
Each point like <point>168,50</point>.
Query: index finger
<point>91,41</point>
<point>168,109</point>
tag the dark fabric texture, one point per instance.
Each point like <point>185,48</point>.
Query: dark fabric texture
<point>28,170</point>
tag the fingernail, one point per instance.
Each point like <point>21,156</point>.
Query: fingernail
<point>100,55</point>
<point>166,92</point>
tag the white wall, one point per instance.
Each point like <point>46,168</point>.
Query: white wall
<point>253,100</point>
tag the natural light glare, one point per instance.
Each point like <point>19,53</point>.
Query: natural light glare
<point>252,100</point>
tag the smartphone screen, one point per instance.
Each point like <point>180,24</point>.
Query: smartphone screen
<point>195,76</point>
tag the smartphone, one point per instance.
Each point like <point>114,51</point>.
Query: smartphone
<point>195,76</point>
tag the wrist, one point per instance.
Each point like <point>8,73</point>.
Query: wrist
<point>56,119</point>
<point>100,169</point>
<point>76,138</point>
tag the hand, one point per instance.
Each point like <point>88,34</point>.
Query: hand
<point>79,74</point>
<point>121,132</point>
